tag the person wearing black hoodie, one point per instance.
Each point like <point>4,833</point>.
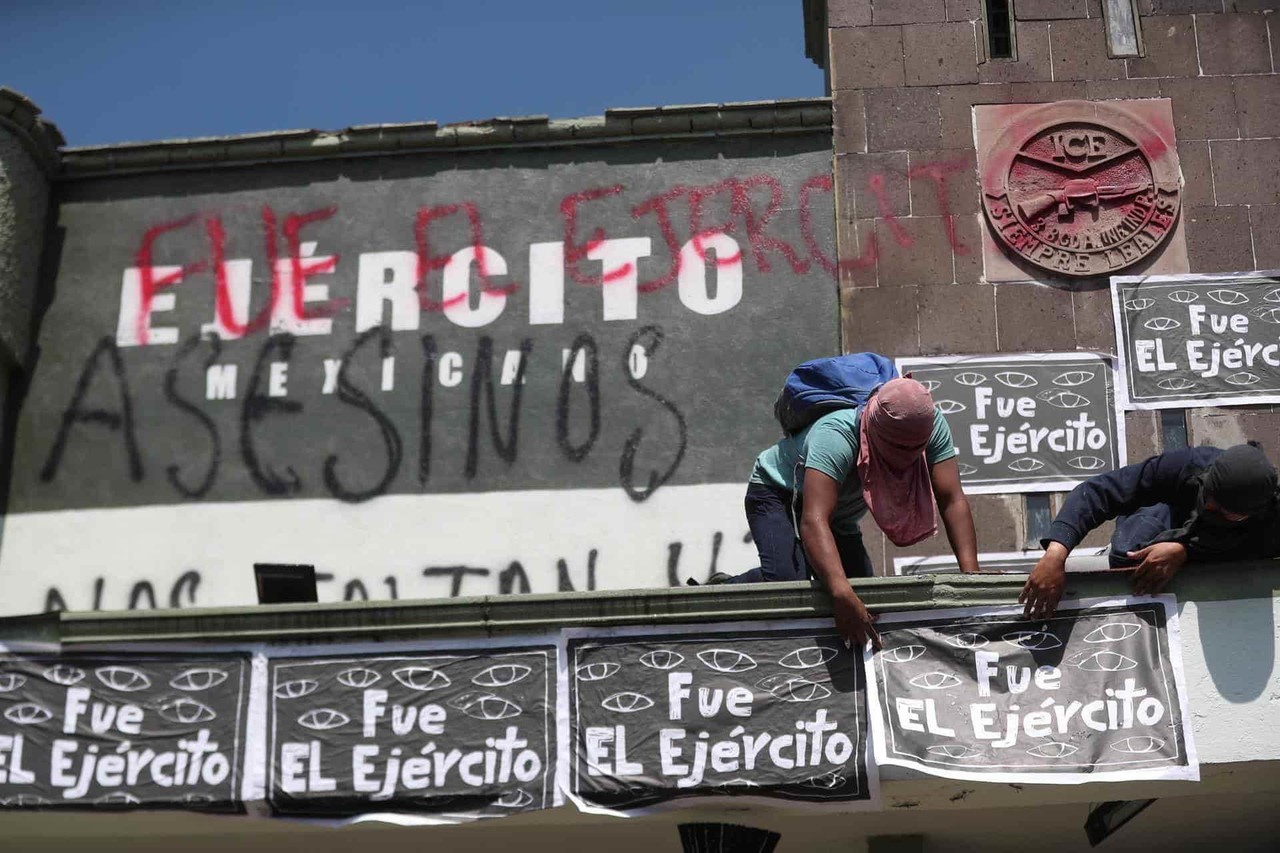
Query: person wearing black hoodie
<point>1195,505</point>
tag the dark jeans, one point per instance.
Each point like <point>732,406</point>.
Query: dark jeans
<point>1138,531</point>
<point>782,557</point>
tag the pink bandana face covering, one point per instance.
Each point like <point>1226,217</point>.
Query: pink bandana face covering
<point>893,433</point>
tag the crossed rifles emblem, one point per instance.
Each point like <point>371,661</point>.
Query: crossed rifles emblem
<point>1078,153</point>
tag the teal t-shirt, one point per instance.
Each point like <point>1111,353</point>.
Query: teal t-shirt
<point>830,445</point>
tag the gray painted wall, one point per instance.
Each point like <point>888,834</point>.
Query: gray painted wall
<point>165,470</point>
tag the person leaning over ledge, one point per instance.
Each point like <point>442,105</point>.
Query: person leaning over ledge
<point>893,456</point>
<point>1195,505</point>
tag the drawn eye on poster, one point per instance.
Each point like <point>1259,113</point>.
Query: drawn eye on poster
<point>122,732</point>
<point>1094,694</point>
<point>1035,422</point>
<point>661,716</point>
<point>448,736</point>
<point>1198,340</point>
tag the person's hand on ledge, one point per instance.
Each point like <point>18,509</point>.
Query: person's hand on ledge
<point>1160,562</point>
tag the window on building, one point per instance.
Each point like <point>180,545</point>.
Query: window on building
<point>1039,519</point>
<point>1124,35</point>
<point>1173,429</point>
<point>998,17</point>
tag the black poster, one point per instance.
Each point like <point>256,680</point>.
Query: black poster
<point>456,735</point>
<point>766,713</point>
<point>122,732</point>
<point>1198,340</point>
<point>1092,694</point>
<point>1026,423</point>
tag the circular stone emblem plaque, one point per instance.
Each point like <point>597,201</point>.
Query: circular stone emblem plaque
<point>1081,198</point>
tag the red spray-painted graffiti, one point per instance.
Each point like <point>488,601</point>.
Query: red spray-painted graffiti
<point>689,219</point>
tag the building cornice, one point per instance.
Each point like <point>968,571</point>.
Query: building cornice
<point>804,115</point>
<point>21,117</point>
<point>513,614</point>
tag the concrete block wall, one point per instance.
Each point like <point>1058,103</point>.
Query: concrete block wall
<point>904,78</point>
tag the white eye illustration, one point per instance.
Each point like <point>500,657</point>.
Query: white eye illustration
<point>1228,297</point>
<point>117,798</point>
<point>726,660</point>
<point>808,657</point>
<point>793,689</point>
<point>1072,378</point>
<point>323,719</point>
<point>485,706</point>
<point>1105,661</point>
<point>1184,297</point>
<point>502,674</point>
<point>1175,383</point>
<point>1112,632</point>
<point>950,407</point>
<point>516,799</point>
<point>1267,315</point>
<point>1138,745</point>
<point>197,679</point>
<point>970,379</point>
<point>1063,399</point>
<point>1271,295</point>
<point>967,641</point>
<point>1017,379</point>
<point>1243,377</point>
<point>1025,465</point>
<point>966,469</point>
<point>1142,303</point>
<point>1087,463</point>
<point>930,385</point>
<point>596,671</point>
<point>1036,641</point>
<point>24,801</point>
<point>421,678</point>
<point>627,702</point>
<point>826,782</point>
<point>902,654</point>
<point>28,714</point>
<point>187,712</point>
<point>952,750</point>
<point>11,681</point>
<point>296,689</point>
<point>662,659</point>
<point>64,674</point>
<point>126,679</point>
<point>934,680</point>
<point>1053,749</point>
<point>358,677</point>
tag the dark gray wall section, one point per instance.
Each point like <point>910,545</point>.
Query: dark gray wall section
<point>719,373</point>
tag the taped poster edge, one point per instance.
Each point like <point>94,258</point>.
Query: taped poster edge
<point>1188,773</point>
<point>1124,399</point>
<point>1112,362</point>
<point>709,801</point>
<point>947,563</point>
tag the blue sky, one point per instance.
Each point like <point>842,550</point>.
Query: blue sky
<point>117,71</point>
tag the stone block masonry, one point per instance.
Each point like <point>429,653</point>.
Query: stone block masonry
<point>906,76</point>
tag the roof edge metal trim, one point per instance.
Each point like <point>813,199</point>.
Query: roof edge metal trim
<point>615,126</point>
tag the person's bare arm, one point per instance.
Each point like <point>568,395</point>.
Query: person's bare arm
<point>957,518</point>
<point>852,619</point>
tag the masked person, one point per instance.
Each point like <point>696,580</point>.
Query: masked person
<point>893,456</point>
<point>1199,504</point>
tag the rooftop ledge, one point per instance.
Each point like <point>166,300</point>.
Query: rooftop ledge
<point>511,614</point>
<point>800,115</point>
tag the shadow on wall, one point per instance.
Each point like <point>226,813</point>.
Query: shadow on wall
<point>1238,639</point>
